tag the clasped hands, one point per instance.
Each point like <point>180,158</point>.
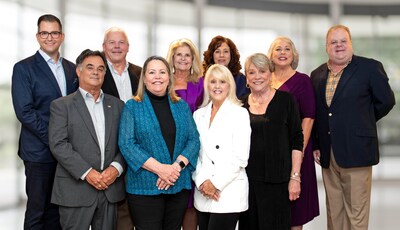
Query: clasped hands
<point>101,181</point>
<point>168,175</point>
<point>209,191</point>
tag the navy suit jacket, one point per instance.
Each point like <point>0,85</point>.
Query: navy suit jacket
<point>109,86</point>
<point>362,97</point>
<point>33,88</point>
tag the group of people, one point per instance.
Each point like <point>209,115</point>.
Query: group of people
<point>191,144</point>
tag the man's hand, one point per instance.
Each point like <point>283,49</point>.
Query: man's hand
<point>317,156</point>
<point>110,174</point>
<point>95,179</point>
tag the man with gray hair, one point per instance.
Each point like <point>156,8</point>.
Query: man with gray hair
<point>122,77</point>
<point>121,81</point>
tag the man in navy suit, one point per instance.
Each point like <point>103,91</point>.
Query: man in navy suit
<point>121,81</point>
<point>36,81</point>
<point>352,94</point>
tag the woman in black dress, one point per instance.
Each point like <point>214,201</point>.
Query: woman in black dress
<point>276,150</point>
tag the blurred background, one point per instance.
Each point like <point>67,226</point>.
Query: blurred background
<point>152,25</point>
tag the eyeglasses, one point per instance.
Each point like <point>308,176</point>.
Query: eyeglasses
<point>45,34</point>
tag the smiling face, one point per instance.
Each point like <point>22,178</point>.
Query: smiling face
<point>222,55</point>
<point>91,73</point>
<point>116,46</point>
<point>258,80</point>
<point>50,45</point>
<point>218,89</point>
<point>339,46</point>
<point>156,78</point>
<point>183,58</point>
<point>282,54</point>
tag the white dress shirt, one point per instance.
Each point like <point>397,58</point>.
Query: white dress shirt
<point>123,82</point>
<point>58,71</point>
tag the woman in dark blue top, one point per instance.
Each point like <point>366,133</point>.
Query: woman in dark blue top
<point>223,51</point>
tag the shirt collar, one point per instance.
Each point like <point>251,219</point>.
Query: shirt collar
<point>110,65</point>
<point>47,58</point>
<point>87,95</point>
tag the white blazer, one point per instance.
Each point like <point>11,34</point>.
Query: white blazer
<point>223,156</point>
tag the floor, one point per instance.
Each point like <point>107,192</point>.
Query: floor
<point>385,201</point>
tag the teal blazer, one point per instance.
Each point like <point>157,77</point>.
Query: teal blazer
<point>140,138</point>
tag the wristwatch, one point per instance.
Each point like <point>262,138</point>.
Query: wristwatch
<point>181,163</point>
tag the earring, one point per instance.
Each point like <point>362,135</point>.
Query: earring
<point>191,70</point>
<point>247,85</point>
<point>173,69</point>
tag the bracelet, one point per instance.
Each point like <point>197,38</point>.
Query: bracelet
<point>295,178</point>
<point>296,174</point>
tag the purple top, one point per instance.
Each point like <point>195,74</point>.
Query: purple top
<point>193,95</point>
<point>300,86</point>
<point>306,207</point>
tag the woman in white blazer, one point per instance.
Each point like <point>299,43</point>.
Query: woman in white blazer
<point>224,126</point>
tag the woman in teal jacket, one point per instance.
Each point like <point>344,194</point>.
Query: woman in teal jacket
<point>160,143</point>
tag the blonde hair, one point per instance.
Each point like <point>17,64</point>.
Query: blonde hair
<point>335,27</point>
<point>220,72</point>
<point>295,54</point>
<point>196,63</point>
<point>141,87</point>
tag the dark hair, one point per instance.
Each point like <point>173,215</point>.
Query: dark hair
<point>88,53</point>
<point>234,64</point>
<point>49,18</point>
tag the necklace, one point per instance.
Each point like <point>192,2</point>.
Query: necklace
<point>262,102</point>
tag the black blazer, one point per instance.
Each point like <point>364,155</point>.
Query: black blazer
<point>110,87</point>
<point>362,97</point>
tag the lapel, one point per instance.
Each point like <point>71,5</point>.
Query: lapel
<point>109,81</point>
<point>323,76</point>
<point>85,115</point>
<point>108,110</point>
<point>347,73</point>
<point>220,117</point>
<point>152,118</point>
<point>70,78</point>
<point>47,72</point>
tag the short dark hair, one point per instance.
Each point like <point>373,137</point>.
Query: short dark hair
<point>88,53</point>
<point>49,18</point>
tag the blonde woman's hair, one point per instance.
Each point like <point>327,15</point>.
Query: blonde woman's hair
<point>295,54</point>
<point>222,73</point>
<point>141,87</point>
<point>195,72</point>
